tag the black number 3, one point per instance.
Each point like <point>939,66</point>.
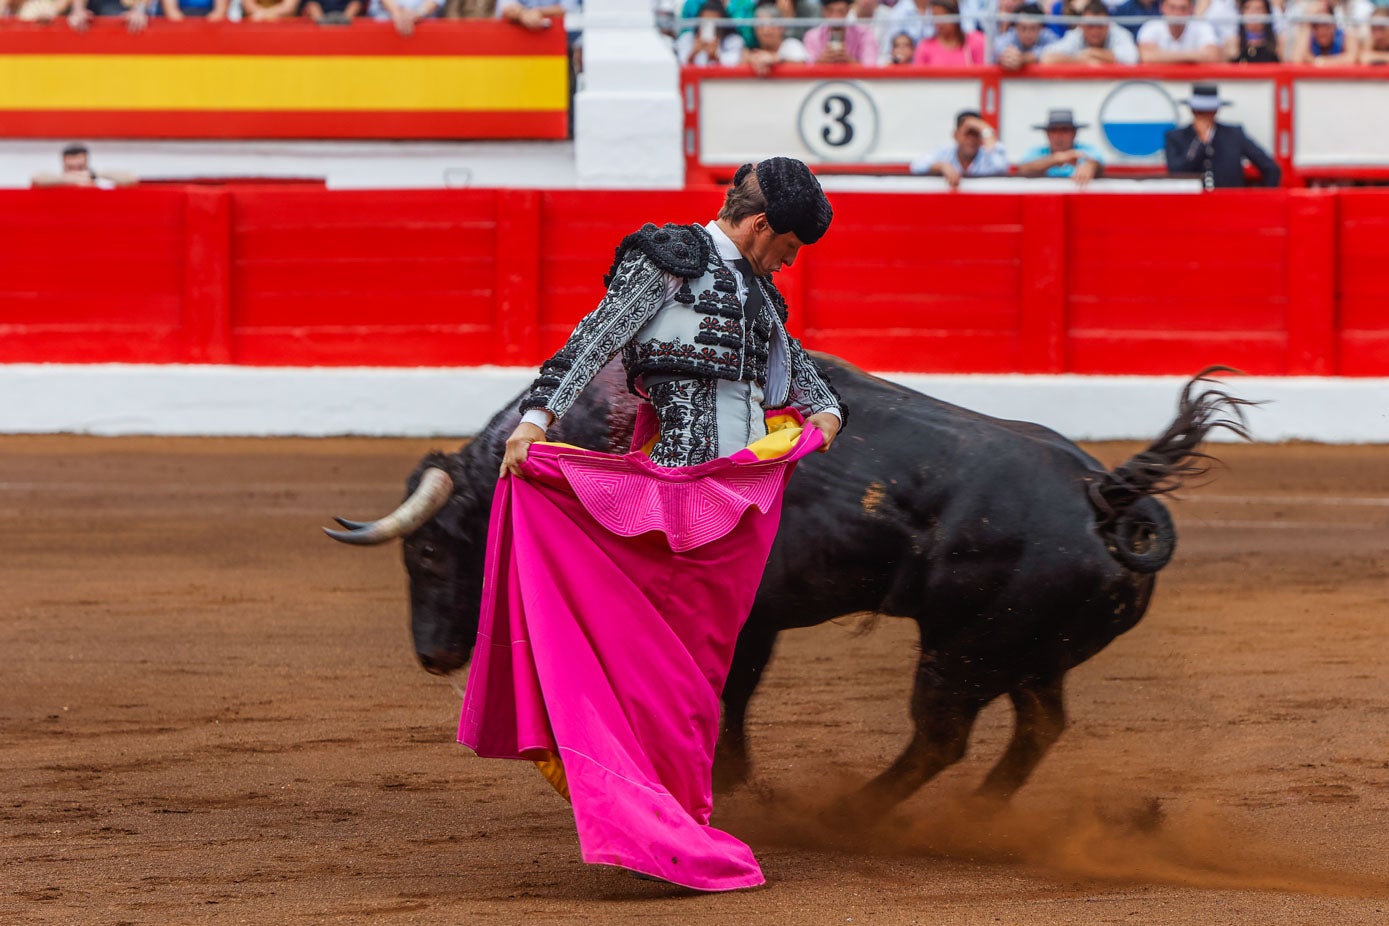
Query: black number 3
<point>839,115</point>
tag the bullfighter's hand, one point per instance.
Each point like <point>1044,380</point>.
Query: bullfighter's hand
<point>518,447</point>
<point>828,425</point>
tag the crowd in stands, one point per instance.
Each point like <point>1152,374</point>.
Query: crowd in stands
<point>1019,33</point>
<point>929,33</point>
<point>79,14</point>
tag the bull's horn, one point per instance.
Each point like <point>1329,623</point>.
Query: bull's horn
<point>429,496</point>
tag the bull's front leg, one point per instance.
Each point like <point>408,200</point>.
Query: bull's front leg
<point>1039,711</point>
<point>750,657</point>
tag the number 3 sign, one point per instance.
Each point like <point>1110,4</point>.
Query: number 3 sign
<point>838,121</point>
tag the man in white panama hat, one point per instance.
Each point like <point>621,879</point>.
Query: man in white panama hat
<point>1215,151</point>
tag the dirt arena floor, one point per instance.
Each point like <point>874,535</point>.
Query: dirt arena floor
<point>211,714</point>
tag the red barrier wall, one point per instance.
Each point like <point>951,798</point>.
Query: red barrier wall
<point>1273,282</point>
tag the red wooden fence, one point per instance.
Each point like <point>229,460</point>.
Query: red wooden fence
<point>1274,282</point>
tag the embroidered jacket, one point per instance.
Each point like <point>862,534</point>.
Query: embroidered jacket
<point>701,333</point>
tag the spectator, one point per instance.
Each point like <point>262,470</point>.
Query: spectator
<point>975,153</point>
<point>261,11</point>
<point>876,16</point>
<point>1215,151</point>
<point>77,171</point>
<point>453,9</point>
<point>1178,40</point>
<point>838,42</point>
<point>344,11</point>
<point>535,15</point>
<point>1065,8</point>
<point>1255,42</point>
<point>1128,13</point>
<point>1094,42</point>
<point>1223,16</point>
<point>912,17</point>
<point>799,9</point>
<point>711,45</point>
<point>1061,156</point>
<point>735,9</point>
<point>773,46</point>
<point>974,12</point>
<point>211,10</point>
<point>1324,42</point>
<point>903,48</point>
<point>405,13</point>
<point>950,47</point>
<point>35,11</point>
<point>133,11</point>
<point>1006,10</point>
<point>1376,51</point>
<point>1024,41</point>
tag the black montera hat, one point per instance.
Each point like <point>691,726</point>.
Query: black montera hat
<point>795,202</point>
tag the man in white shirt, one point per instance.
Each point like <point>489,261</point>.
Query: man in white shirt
<point>1095,42</point>
<point>975,153</point>
<point>773,45</point>
<point>1176,38</point>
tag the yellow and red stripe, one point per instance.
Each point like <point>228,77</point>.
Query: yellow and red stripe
<point>284,80</point>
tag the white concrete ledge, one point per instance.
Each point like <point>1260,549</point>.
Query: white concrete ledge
<point>121,399</point>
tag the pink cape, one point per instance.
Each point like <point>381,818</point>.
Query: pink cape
<point>614,593</point>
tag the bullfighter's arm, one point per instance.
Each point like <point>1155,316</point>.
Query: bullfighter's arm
<point>637,291</point>
<point>811,394</point>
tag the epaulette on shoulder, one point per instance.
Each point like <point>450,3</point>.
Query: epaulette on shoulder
<point>680,250</point>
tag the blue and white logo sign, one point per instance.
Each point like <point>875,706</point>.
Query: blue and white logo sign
<point>1135,117</point>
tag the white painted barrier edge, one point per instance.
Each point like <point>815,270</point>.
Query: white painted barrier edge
<point>121,399</point>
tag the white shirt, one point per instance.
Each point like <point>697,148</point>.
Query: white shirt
<point>792,51</point>
<point>730,50</point>
<point>1118,42</point>
<point>1196,36</point>
<point>1223,15</point>
<point>987,163</point>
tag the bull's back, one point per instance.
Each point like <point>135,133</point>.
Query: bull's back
<point>923,500</point>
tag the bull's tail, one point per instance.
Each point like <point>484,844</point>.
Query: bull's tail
<point>1137,527</point>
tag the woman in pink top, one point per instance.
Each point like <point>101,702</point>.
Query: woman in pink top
<point>950,47</point>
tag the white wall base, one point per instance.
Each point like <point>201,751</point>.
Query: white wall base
<point>121,399</point>
<point>372,165</point>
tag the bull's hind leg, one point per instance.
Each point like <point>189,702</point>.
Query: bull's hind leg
<point>750,657</point>
<point>943,721</point>
<point>1039,711</point>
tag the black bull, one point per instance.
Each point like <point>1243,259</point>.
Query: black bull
<point>1017,554</point>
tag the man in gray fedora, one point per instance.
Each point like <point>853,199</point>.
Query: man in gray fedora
<point>1062,156</point>
<point>1215,151</point>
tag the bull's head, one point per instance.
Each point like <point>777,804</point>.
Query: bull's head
<point>443,523</point>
